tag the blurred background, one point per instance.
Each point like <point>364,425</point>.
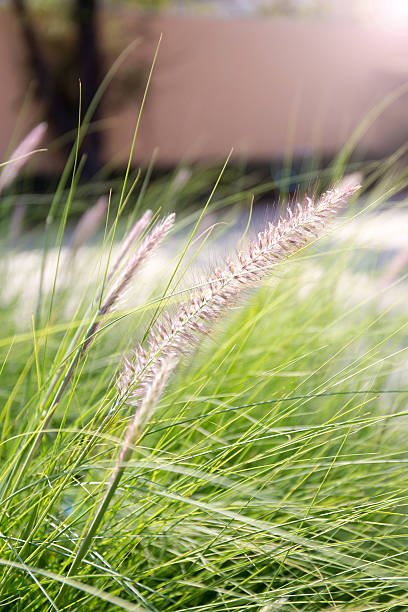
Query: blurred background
<point>285,83</point>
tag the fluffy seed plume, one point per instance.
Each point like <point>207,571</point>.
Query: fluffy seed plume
<point>20,155</point>
<point>147,406</point>
<point>126,267</point>
<point>147,246</point>
<point>174,336</point>
<point>130,239</point>
<point>125,274</point>
<point>89,223</point>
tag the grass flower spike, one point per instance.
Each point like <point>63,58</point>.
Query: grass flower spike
<point>146,409</point>
<point>176,335</point>
<point>126,268</point>
<point>20,155</point>
<point>130,240</point>
<point>89,223</point>
<point>147,246</point>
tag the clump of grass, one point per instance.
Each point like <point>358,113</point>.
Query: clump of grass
<point>151,371</point>
<point>270,463</point>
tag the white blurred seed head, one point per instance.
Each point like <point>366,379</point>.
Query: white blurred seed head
<point>21,154</point>
<point>89,223</point>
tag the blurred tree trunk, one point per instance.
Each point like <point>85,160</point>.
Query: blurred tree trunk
<point>88,61</point>
<point>61,108</point>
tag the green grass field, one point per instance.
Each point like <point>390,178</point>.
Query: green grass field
<point>272,475</point>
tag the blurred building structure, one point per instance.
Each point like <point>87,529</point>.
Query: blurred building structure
<point>268,87</point>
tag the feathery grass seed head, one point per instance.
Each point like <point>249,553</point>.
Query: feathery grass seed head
<point>173,336</point>
<point>146,248</point>
<point>20,155</point>
<point>130,240</point>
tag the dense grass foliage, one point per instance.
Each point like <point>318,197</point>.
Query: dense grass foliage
<point>271,477</point>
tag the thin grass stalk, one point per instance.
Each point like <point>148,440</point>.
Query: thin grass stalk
<point>135,429</point>
<point>70,165</point>
<point>84,450</point>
